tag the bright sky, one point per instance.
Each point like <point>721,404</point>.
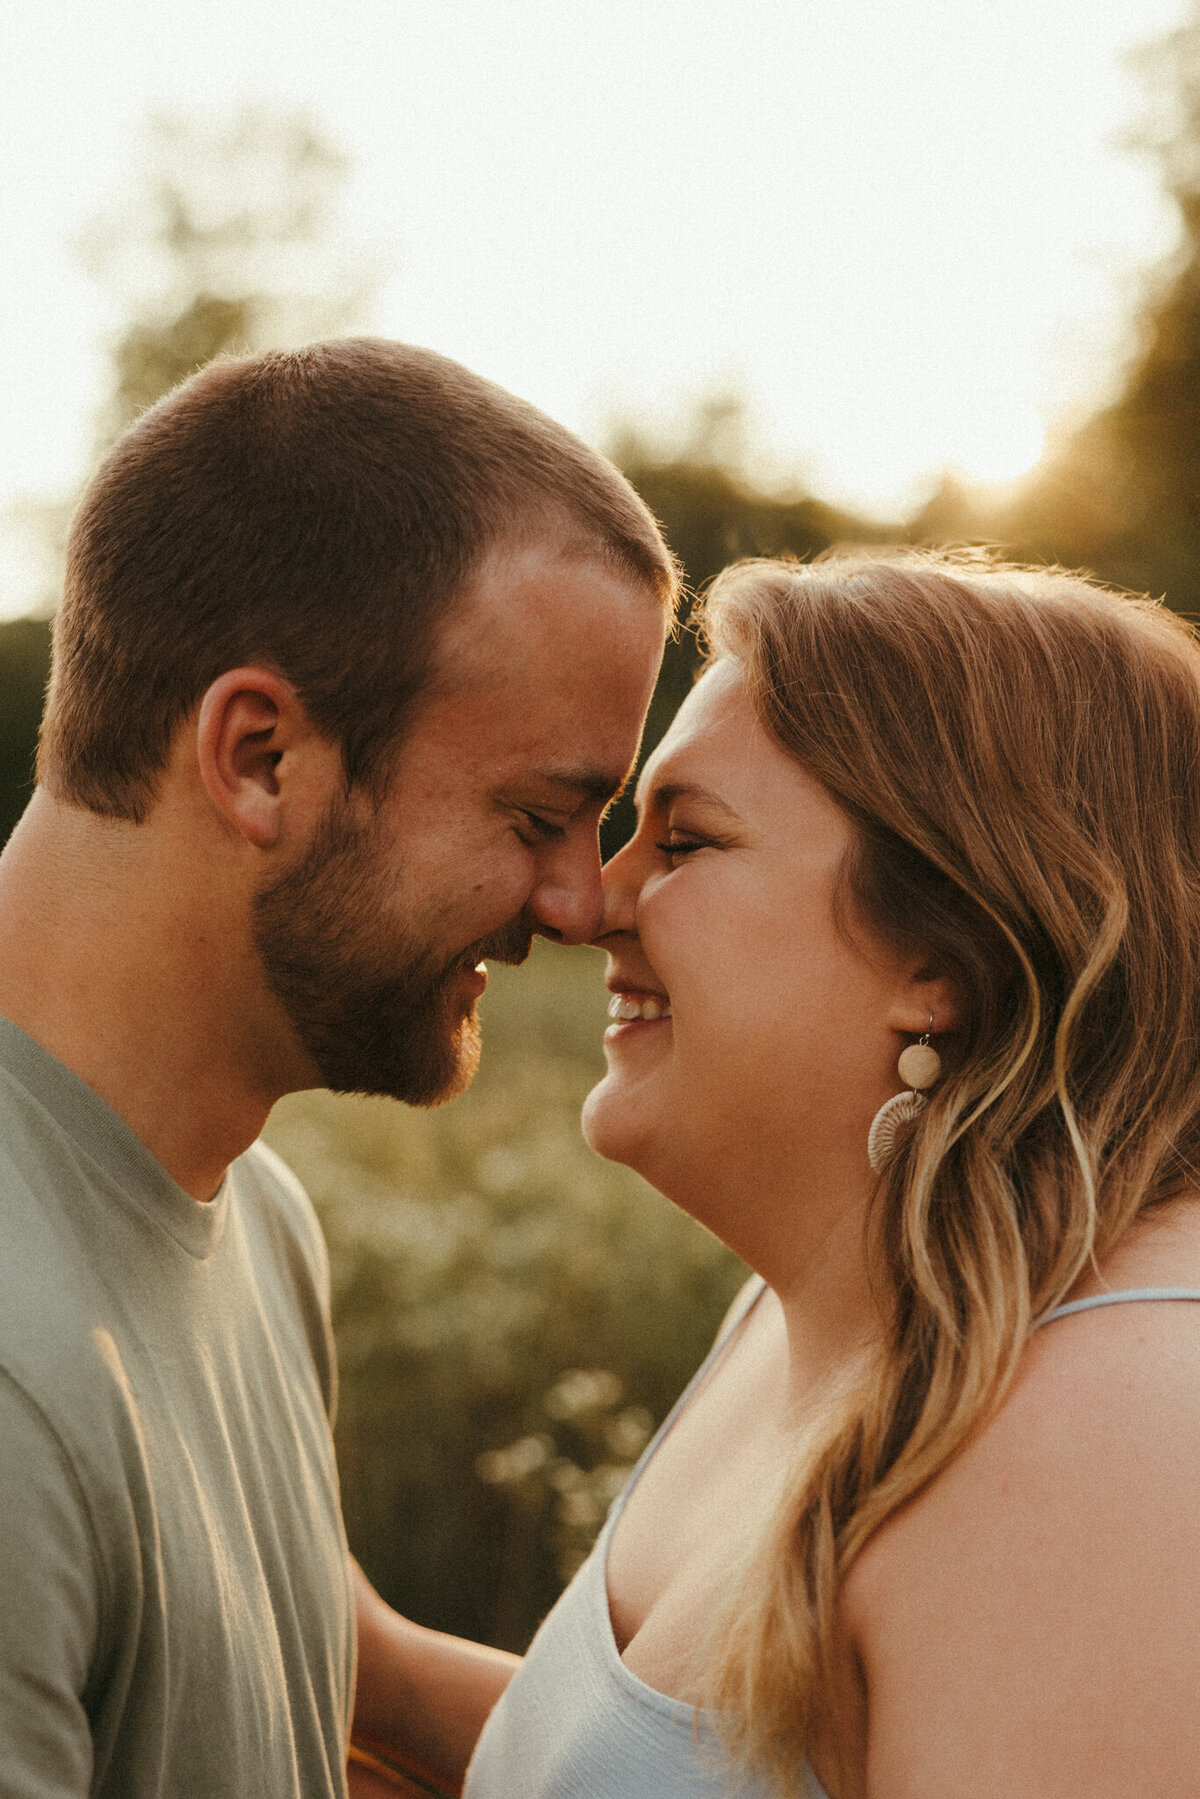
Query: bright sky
<point>904,229</point>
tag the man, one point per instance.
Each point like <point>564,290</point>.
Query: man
<point>354,650</point>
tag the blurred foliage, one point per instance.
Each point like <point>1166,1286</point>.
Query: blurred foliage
<point>513,1314</point>
<point>1121,495</point>
<point>226,241</point>
<point>24,665</point>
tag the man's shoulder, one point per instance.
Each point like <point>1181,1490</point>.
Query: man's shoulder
<point>44,1269</point>
<point>56,1369</point>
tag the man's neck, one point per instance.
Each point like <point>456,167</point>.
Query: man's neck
<point>127,955</point>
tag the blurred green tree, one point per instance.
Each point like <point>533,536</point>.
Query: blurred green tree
<point>1120,496</point>
<point>227,239</point>
<point>24,663</point>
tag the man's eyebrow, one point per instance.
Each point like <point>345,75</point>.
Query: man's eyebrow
<point>588,783</point>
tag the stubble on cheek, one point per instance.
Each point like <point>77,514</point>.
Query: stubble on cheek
<point>376,1008</point>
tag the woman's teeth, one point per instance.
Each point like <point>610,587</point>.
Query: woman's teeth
<point>625,1007</point>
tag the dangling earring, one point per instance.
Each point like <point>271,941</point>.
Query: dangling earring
<point>919,1065</point>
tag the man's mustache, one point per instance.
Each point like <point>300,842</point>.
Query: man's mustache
<point>511,944</point>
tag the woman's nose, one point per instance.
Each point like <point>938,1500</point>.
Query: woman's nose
<point>619,886</point>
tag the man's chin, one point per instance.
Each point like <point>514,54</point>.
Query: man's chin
<point>420,1064</point>
<point>455,1079</point>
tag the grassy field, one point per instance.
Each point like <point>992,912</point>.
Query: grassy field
<point>513,1314</point>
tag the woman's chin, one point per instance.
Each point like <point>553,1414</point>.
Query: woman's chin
<point>609,1123</point>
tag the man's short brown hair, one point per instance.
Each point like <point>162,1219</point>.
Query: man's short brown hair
<point>315,510</point>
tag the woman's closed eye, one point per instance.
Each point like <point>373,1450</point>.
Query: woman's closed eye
<point>682,845</point>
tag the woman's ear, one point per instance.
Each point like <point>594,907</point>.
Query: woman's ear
<point>253,733</point>
<point>924,995</point>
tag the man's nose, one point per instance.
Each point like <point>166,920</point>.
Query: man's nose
<point>566,903</point>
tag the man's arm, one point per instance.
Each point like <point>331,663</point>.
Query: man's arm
<point>49,1610</point>
<point>422,1697</point>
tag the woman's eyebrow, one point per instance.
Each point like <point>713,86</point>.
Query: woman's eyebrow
<point>662,795</point>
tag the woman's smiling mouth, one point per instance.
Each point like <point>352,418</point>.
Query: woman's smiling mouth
<point>626,1008</point>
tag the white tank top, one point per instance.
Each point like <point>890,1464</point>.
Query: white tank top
<point>576,1723</point>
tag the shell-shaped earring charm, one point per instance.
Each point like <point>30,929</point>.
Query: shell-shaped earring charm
<point>881,1138</point>
<point>920,1066</point>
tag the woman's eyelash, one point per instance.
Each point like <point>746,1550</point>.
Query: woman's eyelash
<point>687,847</point>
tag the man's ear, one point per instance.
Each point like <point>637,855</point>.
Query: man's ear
<point>253,733</point>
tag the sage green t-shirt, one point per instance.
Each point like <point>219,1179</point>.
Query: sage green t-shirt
<point>175,1610</point>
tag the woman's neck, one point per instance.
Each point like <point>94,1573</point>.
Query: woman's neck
<point>809,1243</point>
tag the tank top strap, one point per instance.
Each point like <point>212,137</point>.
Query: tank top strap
<point>1130,1296</point>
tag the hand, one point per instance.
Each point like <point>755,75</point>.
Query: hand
<point>422,1696</point>
<point>367,1778</point>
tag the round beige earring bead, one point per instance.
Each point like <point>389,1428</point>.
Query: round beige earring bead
<point>919,1065</point>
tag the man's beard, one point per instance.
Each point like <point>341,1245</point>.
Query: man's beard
<point>375,1011</point>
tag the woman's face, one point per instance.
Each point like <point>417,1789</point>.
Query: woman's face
<point>769,1035</point>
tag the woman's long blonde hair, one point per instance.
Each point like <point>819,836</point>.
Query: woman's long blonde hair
<point>1019,752</point>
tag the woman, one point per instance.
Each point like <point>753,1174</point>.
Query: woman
<point>927,1523</point>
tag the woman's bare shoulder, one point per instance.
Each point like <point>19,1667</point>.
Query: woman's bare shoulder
<point>1104,1411</point>
<point>1029,1619</point>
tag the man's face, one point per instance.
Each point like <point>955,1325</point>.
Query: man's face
<point>488,831</point>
